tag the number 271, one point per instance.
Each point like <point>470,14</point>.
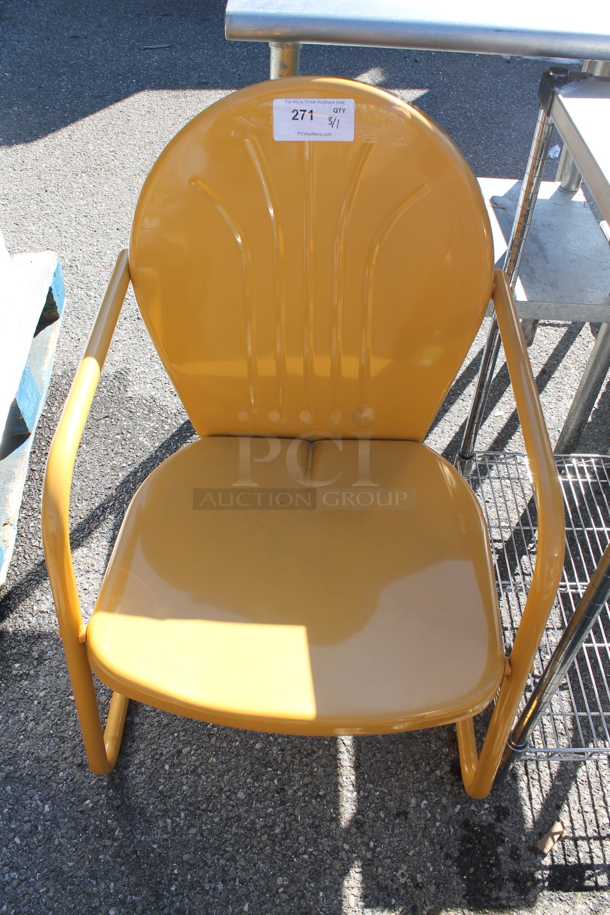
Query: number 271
<point>298,114</point>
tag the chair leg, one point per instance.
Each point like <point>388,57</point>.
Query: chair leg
<point>467,746</point>
<point>113,732</point>
<point>479,771</point>
<point>101,747</point>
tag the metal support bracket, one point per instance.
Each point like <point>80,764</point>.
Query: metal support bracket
<point>285,59</point>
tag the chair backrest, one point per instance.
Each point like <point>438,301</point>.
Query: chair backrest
<point>312,256</point>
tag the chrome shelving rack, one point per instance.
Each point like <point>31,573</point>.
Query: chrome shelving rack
<point>576,724</point>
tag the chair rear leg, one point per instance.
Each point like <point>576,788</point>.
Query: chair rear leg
<point>467,746</point>
<point>113,732</point>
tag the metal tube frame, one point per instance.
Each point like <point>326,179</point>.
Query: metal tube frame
<point>567,171</point>
<point>101,745</point>
<point>588,610</point>
<point>521,225</point>
<point>598,590</point>
<point>478,771</point>
<point>599,361</point>
<point>590,385</point>
<point>600,358</point>
<point>285,59</point>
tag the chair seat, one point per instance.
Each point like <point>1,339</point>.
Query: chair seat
<point>338,594</point>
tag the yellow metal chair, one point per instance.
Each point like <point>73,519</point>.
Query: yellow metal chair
<point>307,566</point>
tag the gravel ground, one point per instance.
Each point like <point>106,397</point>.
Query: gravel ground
<point>196,818</point>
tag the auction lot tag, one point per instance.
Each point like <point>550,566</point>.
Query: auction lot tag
<point>330,119</point>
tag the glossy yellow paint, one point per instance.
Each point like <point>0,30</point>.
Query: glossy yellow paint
<point>479,773</point>
<point>101,747</point>
<point>318,291</point>
<point>314,279</point>
<point>343,613</point>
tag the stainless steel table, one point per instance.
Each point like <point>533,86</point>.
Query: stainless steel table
<point>578,104</point>
<point>539,28</point>
<point>581,114</point>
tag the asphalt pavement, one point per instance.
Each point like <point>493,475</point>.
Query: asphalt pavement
<point>198,818</point>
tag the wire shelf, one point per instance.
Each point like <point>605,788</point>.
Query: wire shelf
<point>577,722</point>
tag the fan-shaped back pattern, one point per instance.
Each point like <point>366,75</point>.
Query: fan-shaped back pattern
<point>311,288</point>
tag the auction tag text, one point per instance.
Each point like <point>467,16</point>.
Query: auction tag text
<point>330,119</point>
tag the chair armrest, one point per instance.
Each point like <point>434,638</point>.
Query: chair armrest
<point>545,479</point>
<point>479,773</point>
<point>62,455</point>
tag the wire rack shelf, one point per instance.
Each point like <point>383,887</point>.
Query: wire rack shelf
<point>577,723</point>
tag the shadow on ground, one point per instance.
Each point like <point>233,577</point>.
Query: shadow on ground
<point>62,62</point>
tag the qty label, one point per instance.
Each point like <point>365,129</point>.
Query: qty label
<point>321,119</point>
